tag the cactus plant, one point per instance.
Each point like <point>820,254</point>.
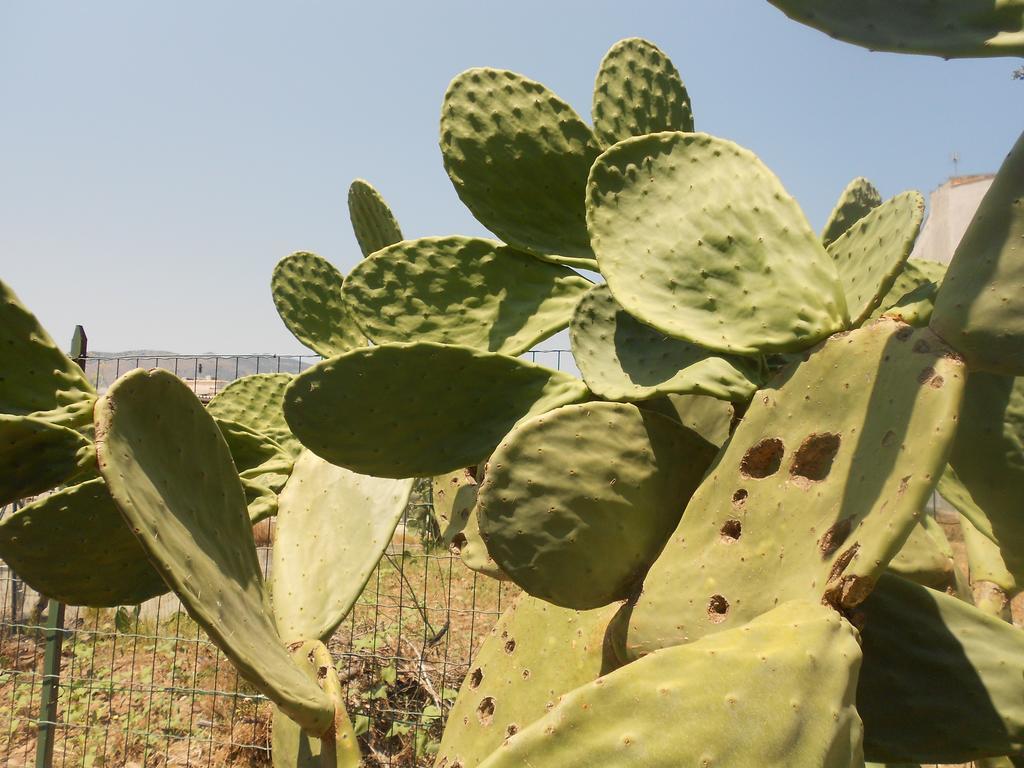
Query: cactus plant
<point>856,201</point>
<point>374,224</point>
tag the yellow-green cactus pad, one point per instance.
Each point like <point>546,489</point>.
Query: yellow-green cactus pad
<point>926,557</point>
<point>855,202</point>
<point>74,546</point>
<point>577,503</point>
<point>870,254</point>
<point>332,527</point>
<point>980,308</point>
<point>36,456</point>
<point>307,293</point>
<point>778,692</point>
<point>709,417</point>
<point>946,28</point>
<point>988,459</point>
<point>374,224</point>
<point>519,157</point>
<point>623,359</point>
<point>36,375</point>
<point>418,410</point>
<point>291,747</point>
<point>454,498</point>
<point>170,473</point>
<point>638,90</point>
<point>815,492</point>
<point>697,238</point>
<point>942,682</point>
<point>263,466</point>
<point>257,401</point>
<point>534,654</point>
<point>985,561</point>
<point>461,290</point>
<point>912,296</point>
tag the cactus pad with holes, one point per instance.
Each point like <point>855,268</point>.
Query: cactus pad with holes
<point>697,238</point>
<point>74,546</point>
<point>855,202</point>
<point>518,157</point>
<point>461,290</point>
<point>374,224</point>
<point>171,474</point>
<point>710,703</point>
<point>430,408</point>
<point>534,654</point>
<point>871,253</point>
<point>980,307</point>
<point>577,503</point>
<point>307,293</point>
<point>815,492</point>
<point>638,91</point>
<point>332,528</point>
<point>623,359</point>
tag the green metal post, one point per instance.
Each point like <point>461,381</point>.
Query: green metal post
<point>55,629</point>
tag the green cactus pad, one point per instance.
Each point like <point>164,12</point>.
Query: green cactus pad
<point>912,296</point>
<point>946,28</point>
<point>638,91</point>
<point>291,747</point>
<point>777,692</point>
<point>988,459</point>
<point>257,401</point>
<point>373,222</point>
<point>36,456</point>
<point>926,557</point>
<point>856,201</point>
<point>942,682</point>
<point>980,308</point>
<point>870,254</point>
<point>473,552</point>
<point>263,466</point>
<point>697,238</point>
<point>417,410</point>
<point>36,375</point>
<point>623,359</point>
<point>535,653</point>
<point>985,561</point>
<point>307,294</point>
<point>461,290</point>
<point>582,531</point>
<point>171,474</point>
<point>73,546</point>
<point>454,498</point>
<point>519,157</point>
<point>815,492</point>
<point>332,527</point>
<point>707,416</point>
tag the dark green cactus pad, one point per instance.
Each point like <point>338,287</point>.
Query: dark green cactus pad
<point>581,533</point>
<point>418,410</point>
<point>454,498</point>
<point>257,401</point>
<point>777,692</point>
<point>535,653</point>
<point>709,417</point>
<point>263,466</point>
<point>855,202</point>
<point>638,90</point>
<point>332,528</point>
<point>374,224</point>
<point>36,456</point>
<point>980,308</point>
<point>519,157</point>
<point>171,474</point>
<point>74,546</point>
<point>912,296</point>
<point>623,359</point>
<point>870,255</point>
<point>461,290</point>
<point>932,661</point>
<point>291,747</point>
<point>697,238</point>
<point>946,28</point>
<point>307,294</point>
<point>815,492</point>
<point>36,375</point>
<point>988,459</point>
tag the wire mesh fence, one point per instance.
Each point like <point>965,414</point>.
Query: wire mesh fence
<point>143,686</point>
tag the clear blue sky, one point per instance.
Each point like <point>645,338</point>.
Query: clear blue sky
<point>159,158</point>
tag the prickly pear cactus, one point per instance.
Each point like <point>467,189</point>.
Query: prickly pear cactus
<point>374,224</point>
<point>855,202</point>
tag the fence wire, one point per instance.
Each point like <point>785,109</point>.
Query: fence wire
<point>144,686</point>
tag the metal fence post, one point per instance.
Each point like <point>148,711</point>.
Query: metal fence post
<point>55,628</point>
